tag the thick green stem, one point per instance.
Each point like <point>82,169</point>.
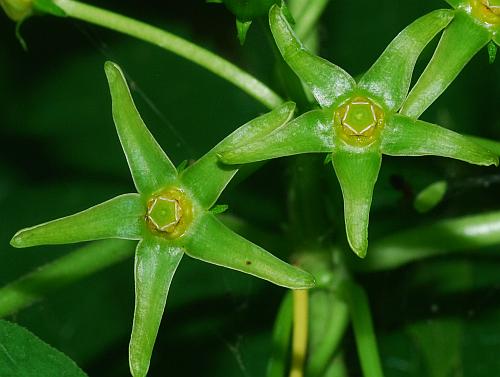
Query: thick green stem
<point>72,267</point>
<point>175,44</point>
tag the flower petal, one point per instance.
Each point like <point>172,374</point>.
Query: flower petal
<point>155,264</point>
<point>390,76</point>
<point>403,136</point>
<point>213,242</point>
<point>357,173</point>
<point>208,177</point>
<point>150,167</point>
<point>312,132</point>
<point>461,40</point>
<point>326,81</point>
<point>120,217</point>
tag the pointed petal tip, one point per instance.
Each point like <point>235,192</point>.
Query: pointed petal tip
<point>359,245</point>
<point>113,71</point>
<point>17,240</point>
<point>305,281</point>
<point>138,369</point>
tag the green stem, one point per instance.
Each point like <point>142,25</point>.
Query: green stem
<point>175,44</point>
<point>364,333</point>
<point>282,332</point>
<point>70,268</point>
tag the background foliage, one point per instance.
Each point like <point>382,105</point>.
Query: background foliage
<point>59,154</point>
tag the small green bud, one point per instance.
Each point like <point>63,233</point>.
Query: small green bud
<point>17,10</point>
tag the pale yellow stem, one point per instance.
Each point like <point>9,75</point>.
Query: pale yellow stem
<point>300,327</point>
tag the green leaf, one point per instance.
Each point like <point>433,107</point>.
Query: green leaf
<point>120,217</point>
<point>155,265</point>
<point>242,30</point>
<point>282,331</point>
<point>48,7</point>
<point>390,76</point>
<point>357,172</point>
<point>430,197</point>
<point>492,52</point>
<point>218,209</point>
<point>326,81</point>
<point>496,38</point>
<point>461,40</point>
<point>208,177</point>
<point>22,354</point>
<point>364,333</point>
<point>312,132</point>
<point>150,167</point>
<point>211,241</point>
<point>403,136</point>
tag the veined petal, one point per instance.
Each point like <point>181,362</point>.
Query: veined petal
<point>120,217</point>
<point>390,76</point>
<point>326,81</point>
<point>150,167</point>
<point>208,176</point>
<point>403,136</point>
<point>155,264</point>
<point>312,132</point>
<point>460,41</point>
<point>357,173</point>
<point>213,242</point>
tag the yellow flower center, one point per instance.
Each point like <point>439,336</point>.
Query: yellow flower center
<point>486,10</point>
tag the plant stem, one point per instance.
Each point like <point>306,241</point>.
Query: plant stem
<point>70,268</point>
<point>175,44</point>
<point>300,327</point>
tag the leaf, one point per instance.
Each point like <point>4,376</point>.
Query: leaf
<point>150,167</point>
<point>357,172</point>
<point>452,54</point>
<point>208,177</point>
<point>211,241</point>
<point>390,76</point>
<point>312,132</point>
<point>120,217</point>
<point>155,265</point>
<point>403,136</point>
<point>242,30</point>
<point>48,7</point>
<point>492,52</point>
<point>23,354</point>
<point>430,197</point>
<point>326,81</point>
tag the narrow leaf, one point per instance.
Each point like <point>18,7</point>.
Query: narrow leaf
<point>452,54</point>
<point>389,78</point>
<point>492,52</point>
<point>364,333</point>
<point>150,167</point>
<point>430,197</point>
<point>357,173</point>
<point>213,242</point>
<point>403,136</point>
<point>282,330</point>
<point>120,217</point>
<point>496,37</point>
<point>155,265</point>
<point>208,176</point>
<point>312,132</point>
<point>326,81</point>
<point>22,354</point>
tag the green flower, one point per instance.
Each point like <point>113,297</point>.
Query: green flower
<point>358,122</point>
<point>476,23</point>
<point>170,215</point>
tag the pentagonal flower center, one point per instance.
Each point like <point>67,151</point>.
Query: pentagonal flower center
<point>359,120</point>
<point>486,10</point>
<point>169,213</point>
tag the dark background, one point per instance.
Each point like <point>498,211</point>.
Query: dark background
<point>59,154</point>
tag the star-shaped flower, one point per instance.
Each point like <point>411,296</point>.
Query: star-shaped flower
<point>358,122</point>
<point>170,215</point>
<point>476,23</point>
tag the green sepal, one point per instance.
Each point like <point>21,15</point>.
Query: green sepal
<point>312,132</point>
<point>120,217</point>
<point>155,265</point>
<point>430,197</point>
<point>242,30</point>
<point>48,7</point>
<point>460,41</point>
<point>208,176</point>
<point>150,167</point>
<point>211,241</point>
<point>357,172</point>
<point>492,52</point>
<point>326,81</point>
<point>389,77</point>
<point>403,136</point>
